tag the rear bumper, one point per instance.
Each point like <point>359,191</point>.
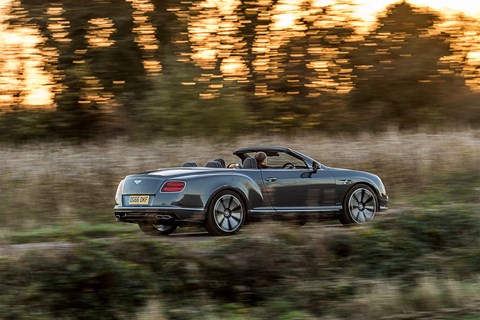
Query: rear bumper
<point>163,215</point>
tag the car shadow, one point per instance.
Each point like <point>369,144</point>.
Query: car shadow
<point>190,234</point>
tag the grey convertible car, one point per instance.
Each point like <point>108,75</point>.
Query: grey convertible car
<point>223,198</point>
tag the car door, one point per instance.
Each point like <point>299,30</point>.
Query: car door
<point>265,206</point>
<point>298,189</point>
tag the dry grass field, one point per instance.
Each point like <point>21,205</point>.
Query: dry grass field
<point>418,262</point>
<point>61,184</point>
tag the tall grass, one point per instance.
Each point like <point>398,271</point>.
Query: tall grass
<point>60,184</point>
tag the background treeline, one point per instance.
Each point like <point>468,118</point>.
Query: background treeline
<point>175,67</point>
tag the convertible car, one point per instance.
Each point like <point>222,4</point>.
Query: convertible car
<point>223,197</point>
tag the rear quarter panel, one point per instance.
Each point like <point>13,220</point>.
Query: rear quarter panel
<point>202,187</point>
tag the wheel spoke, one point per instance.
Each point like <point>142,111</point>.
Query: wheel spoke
<point>368,215</point>
<point>225,224</point>
<point>230,200</point>
<point>355,197</point>
<point>362,195</point>
<point>229,224</point>
<point>236,216</point>
<point>370,198</point>
<point>218,213</point>
<point>362,217</point>
<point>358,216</point>
<point>222,202</point>
<point>234,223</point>
<point>353,207</point>
<point>370,204</point>
<point>219,218</point>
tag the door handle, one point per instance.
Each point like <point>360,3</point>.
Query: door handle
<point>271,179</point>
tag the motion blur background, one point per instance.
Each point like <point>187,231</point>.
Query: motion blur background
<point>93,90</point>
<point>149,68</point>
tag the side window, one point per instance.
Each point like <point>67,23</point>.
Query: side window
<point>284,160</point>
<point>281,160</point>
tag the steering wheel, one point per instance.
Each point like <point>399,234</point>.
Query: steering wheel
<point>288,165</point>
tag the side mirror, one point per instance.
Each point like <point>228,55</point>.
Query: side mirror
<point>315,167</point>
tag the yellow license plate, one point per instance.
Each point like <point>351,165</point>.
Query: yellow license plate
<point>139,200</point>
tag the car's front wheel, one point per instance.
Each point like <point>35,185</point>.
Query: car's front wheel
<point>226,214</point>
<point>359,206</point>
<point>157,229</point>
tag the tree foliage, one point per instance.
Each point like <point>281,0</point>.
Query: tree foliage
<point>174,107</point>
<point>109,59</point>
<point>399,73</point>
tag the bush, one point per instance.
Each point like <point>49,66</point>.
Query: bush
<point>316,270</point>
<point>406,245</point>
<point>20,126</point>
<point>82,282</point>
<point>175,108</point>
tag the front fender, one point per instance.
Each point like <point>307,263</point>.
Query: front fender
<point>345,179</point>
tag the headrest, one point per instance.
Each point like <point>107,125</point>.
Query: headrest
<point>250,163</point>
<point>213,164</point>
<point>189,164</point>
<point>221,161</point>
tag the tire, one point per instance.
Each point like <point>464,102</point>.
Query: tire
<point>226,214</point>
<point>359,206</point>
<point>157,229</point>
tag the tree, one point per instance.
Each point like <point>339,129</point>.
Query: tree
<point>308,75</point>
<point>90,49</point>
<point>400,78</point>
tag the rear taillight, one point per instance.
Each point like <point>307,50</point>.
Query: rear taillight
<point>173,186</point>
<point>118,195</point>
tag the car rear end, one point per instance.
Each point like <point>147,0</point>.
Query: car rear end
<point>156,198</point>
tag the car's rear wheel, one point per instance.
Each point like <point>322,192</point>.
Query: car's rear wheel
<point>157,229</point>
<point>359,206</point>
<point>226,214</point>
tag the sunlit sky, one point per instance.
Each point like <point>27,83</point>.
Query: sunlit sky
<point>367,10</point>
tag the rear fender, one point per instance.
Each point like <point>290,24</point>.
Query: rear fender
<point>246,187</point>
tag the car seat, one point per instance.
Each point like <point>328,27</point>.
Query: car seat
<point>189,164</point>
<point>250,163</point>
<point>213,164</point>
<point>221,161</point>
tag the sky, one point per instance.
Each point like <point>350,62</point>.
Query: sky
<point>368,9</point>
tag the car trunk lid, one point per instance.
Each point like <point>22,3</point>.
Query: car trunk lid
<point>142,184</point>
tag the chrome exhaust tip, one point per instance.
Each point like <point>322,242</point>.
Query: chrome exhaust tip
<point>163,217</point>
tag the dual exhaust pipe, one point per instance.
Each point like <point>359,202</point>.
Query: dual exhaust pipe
<point>158,216</point>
